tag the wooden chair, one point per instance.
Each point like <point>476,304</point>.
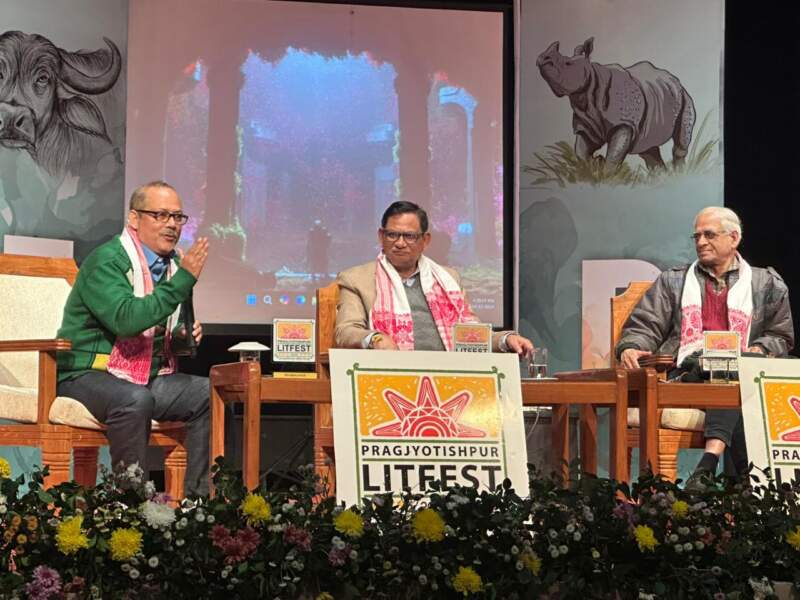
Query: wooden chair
<point>678,427</point>
<point>34,291</point>
<point>327,299</point>
<point>243,382</point>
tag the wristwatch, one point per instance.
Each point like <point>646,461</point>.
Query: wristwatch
<point>376,337</point>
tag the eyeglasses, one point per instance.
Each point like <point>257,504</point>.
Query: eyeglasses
<point>409,237</point>
<point>709,235</point>
<point>163,216</point>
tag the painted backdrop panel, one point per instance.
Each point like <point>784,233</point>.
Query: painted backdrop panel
<point>62,138</point>
<point>620,145</point>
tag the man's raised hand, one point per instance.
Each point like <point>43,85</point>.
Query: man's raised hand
<point>195,257</point>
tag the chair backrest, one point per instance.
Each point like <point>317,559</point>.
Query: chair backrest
<point>327,299</point>
<point>621,308</point>
<point>34,291</point>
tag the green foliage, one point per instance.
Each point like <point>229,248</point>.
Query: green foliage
<point>558,165</point>
<point>595,539</point>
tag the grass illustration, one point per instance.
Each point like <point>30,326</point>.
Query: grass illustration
<point>558,165</point>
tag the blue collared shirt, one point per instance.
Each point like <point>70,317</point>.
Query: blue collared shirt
<point>152,258</point>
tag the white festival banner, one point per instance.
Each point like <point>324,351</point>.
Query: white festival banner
<point>407,419</point>
<point>770,389</point>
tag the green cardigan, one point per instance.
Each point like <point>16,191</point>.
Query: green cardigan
<point>102,307</point>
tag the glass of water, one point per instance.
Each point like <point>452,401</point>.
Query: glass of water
<point>537,367</point>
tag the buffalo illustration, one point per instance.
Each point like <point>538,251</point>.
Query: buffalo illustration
<point>633,109</point>
<point>42,109</point>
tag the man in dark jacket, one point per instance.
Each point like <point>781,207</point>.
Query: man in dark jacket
<point>719,291</point>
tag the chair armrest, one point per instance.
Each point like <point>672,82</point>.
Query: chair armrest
<point>589,375</point>
<point>235,374</point>
<point>660,362</point>
<point>35,345</point>
<point>48,370</point>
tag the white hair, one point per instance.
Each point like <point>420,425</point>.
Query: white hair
<point>729,220</point>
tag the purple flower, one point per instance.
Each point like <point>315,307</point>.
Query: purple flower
<point>162,498</point>
<point>624,510</point>
<point>298,536</point>
<point>46,584</point>
<point>337,557</point>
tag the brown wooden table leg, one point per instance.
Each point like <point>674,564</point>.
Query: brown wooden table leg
<point>648,423</point>
<point>588,449</point>
<point>618,431</point>
<point>560,433</point>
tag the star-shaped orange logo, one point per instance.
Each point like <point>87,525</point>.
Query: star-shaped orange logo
<point>428,417</point>
<point>794,435</point>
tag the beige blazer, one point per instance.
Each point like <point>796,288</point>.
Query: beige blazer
<point>356,297</point>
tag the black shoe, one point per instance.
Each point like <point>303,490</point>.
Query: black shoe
<point>700,481</point>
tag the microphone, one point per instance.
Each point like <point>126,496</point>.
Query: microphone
<point>186,345</point>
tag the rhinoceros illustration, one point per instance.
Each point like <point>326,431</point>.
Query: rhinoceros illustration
<point>633,109</point>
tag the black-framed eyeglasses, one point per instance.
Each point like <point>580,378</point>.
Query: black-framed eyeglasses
<point>163,216</point>
<point>709,235</point>
<point>410,237</point>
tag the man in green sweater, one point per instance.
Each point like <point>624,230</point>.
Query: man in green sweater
<point>122,316</point>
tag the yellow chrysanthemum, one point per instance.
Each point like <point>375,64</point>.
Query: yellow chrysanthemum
<point>793,538</point>
<point>467,581</point>
<point>349,523</point>
<point>532,562</point>
<point>645,538</point>
<point>5,468</point>
<point>69,537</point>
<point>125,543</point>
<point>680,509</point>
<point>428,526</point>
<point>256,509</point>
<point>324,596</point>
<point>31,522</point>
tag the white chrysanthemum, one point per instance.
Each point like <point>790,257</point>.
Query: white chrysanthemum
<point>149,489</point>
<point>158,515</point>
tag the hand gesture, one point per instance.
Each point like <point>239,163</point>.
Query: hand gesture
<point>197,332</point>
<point>195,258</point>
<point>385,343</point>
<point>630,357</point>
<point>521,345</point>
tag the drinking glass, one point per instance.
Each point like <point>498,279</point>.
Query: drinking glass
<point>537,367</point>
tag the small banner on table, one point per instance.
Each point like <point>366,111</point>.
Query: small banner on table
<point>472,337</point>
<point>770,389</point>
<point>407,419</point>
<point>293,340</point>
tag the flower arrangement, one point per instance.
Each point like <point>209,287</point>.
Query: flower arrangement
<point>596,539</point>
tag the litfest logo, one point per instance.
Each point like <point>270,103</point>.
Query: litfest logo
<point>427,417</point>
<point>294,332</point>
<point>793,435</point>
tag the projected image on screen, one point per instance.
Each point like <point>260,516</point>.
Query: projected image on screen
<point>288,128</point>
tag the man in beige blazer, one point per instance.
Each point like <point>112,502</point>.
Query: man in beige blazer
<point>404,236</point>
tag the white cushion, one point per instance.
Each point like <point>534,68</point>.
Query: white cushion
<point>685,419</point>
<point>32,308</point>
<point>19,404</point>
